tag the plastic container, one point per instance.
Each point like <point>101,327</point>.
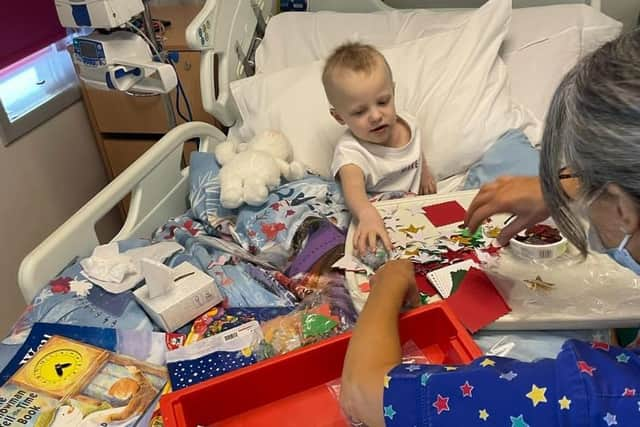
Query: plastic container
<point>291,390</point>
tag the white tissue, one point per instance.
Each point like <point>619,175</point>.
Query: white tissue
<point>158,276</point>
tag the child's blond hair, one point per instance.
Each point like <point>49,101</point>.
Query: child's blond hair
<point>353,56</point>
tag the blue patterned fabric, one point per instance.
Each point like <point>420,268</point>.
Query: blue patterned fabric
<point>588,384</point>
<point>189,372</point>
<point>512,154</point>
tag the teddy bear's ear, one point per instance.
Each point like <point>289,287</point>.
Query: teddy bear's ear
<point>226,151</point>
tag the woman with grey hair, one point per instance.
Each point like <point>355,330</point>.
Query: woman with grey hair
<point>588,173</point>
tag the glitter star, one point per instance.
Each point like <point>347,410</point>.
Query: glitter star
<point>483,414</point>
<point>565,403</point>
<point>389,412</point>
<point>441,404</point>
<point>387,378</point>
<point>538,283</point>
<point>518,421</point>
<point>509,376</point>
<point>623,358</point>
<point>487,362</point>
<point>537,395</point>
<point>424,378</point>
<point>585,368</point>
<point>411,229</point>
<point>629,392</point>
<point>598,345</point>
<point>610,419</point>
<point>467,389</point>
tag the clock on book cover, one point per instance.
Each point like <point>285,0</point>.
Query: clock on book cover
<point>60,367</point>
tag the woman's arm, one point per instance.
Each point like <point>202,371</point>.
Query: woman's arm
<point>375,347</point>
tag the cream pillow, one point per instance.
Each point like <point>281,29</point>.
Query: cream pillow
<point>453,82</point>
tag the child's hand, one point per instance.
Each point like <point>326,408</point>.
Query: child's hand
<point>370,228</point>
<point>428,184</point>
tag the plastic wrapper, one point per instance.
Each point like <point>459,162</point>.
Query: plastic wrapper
<point>313,321</point>
<point>591,291</point>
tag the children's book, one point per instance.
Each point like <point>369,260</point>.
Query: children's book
<point>68,383</point>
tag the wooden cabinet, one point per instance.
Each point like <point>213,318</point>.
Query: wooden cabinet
<point>126,126</point>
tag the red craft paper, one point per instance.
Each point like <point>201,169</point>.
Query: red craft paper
<point>425,286</point>
<point>444,213</point>
<point>477,303</point>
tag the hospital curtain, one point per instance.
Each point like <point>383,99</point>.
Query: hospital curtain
<point>27,26</point>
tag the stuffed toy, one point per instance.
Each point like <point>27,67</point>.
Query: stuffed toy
<point>250,170</point>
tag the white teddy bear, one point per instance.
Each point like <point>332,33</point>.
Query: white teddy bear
<point>250,170</point>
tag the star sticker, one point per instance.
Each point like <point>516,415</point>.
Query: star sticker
<point>610,419</point>
<point>387,378</point>
<point>425,377</point>
<point>412,252</point>
<point>565,403</point>
<point>412,368</point>
<point>537,395</point>
<point>538,283</point>
<point>441,404</point>
<point>623,358</point>
<point>629,392</point>
<point>483,414</point>
<point>389,412</point>
<point>487,362</point>
<point>467,389</point>
<point>518,421</point>
<point>411,229</point>
<point>585,368</point>
<point>509,376</point>
<point>598,345</point>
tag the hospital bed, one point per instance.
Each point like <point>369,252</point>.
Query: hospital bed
<point>228,32</point>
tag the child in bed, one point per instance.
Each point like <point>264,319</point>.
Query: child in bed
<point>381,149</point>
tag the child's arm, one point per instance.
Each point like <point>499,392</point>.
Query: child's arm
<point>370,225</point>
<point>427,182</point>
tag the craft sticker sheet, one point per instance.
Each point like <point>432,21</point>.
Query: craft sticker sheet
<point>430,232</point>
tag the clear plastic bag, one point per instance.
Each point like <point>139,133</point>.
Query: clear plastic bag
<point>592,293</point>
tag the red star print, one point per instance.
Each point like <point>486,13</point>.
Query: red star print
<point>61,285</point>
<point>275,206</point>
<point>290,212</point>
<point>598,345</point>
<point>467,389</point>
<point>585,368</point>
<point>441,404</point>
<point>629,392</point>
<point>272,230</point>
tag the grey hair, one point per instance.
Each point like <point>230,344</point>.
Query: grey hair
<point>593,128</point>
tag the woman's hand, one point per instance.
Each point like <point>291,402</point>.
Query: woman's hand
<point>521,196</point>
<point>370,228</point>
<point>400,275</point>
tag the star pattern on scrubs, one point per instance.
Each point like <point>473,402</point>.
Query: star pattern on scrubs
<point>592,385</point>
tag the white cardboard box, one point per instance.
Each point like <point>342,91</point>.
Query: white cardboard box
<point>192,293</point>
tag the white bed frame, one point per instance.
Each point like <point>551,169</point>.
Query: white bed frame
<point>225,29</point>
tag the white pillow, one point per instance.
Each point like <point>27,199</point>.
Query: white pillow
<point>453,82</point>
<point>542,44</point>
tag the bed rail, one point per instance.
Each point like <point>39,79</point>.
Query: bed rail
<point>158,188</point>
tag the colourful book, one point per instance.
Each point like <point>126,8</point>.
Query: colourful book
<point>69,383</point>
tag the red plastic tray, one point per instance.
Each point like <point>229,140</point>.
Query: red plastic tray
<point>291,390</point>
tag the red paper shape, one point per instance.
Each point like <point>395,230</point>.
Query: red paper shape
<point>444,213</point>
<point>425,286</point>
<point>477,303</point>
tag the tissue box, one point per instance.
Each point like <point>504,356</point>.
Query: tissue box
<point>192,293</point>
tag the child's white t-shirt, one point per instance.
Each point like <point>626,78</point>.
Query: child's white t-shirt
<point>384,168</point>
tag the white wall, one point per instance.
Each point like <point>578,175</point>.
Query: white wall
<point>625,11</point>
<point>45,176</point>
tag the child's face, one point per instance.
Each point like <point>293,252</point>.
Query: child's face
<point>365,103</point>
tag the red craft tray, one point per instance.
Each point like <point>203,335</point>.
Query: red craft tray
<point>291,390</point>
